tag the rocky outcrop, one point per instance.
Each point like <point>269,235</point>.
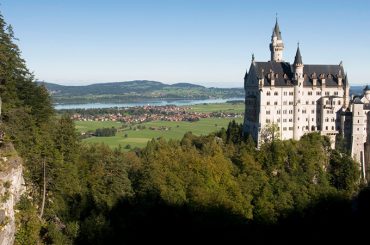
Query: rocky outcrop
<point>11,188</point>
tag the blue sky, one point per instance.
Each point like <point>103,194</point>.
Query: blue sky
<point>206,42</point>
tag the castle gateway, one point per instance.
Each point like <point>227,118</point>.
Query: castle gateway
<point>295,99</point>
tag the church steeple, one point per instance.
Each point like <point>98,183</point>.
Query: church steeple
<point>276,45</point>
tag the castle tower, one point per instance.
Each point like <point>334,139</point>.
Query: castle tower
<point>298,77</point>
<point>276,45</point>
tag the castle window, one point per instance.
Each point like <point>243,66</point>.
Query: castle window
<point>290,111</point>
<point>278,120</point>
<point>284,103</point>
<point>333,120</point>
<point>306,119</point>
<point>339,102</point>
<point>318,93</point>
<point>268,102</point>
<point>290,120</point>
<point>332,128</point>
<point>290,93</point>
<point>306,127</point>
<point>284,128</point>
<point>276,93</point>
<point>304,111</point>
<point>268,121</point>
<point>268,93</point>
<point>310,93</point>
<point>312,111</point>
<point>275,103</point>
<point>290,128</point>
<point>326,119</point>
<point>267,112</point>
<point>307,102</point>
<point>284,120</point>
<point>278,111</point>
<point>312,128</point>
<point>284,111</point>
<point>290,102</point>
<point>326,127</point>
<point>327,93</point>
<point>285,93</point>
<point>336,93</point>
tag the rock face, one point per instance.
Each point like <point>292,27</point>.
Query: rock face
<point>11,188</point>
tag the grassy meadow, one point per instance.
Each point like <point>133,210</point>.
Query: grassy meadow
<point>136,137</point>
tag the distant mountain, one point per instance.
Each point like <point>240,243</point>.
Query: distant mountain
<point>133,91</point>
<point>356,90</point>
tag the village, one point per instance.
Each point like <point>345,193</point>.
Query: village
<point>141,114</point>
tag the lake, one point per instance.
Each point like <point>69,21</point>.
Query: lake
<point>145,103</point>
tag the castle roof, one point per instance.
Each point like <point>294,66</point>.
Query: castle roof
<point>276,32</point>
<point>284,73</point>
<point>298,58</point>
<point>357,100</point>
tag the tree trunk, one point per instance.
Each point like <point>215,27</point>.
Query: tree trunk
<point>44,191</point>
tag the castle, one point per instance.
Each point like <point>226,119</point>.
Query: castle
<point>290,100</point>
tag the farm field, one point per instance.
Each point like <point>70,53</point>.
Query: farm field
<point>221,107</point>
<point>139,137</point>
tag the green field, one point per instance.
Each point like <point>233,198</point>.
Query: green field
<point>139,138</point>
<point>221,107</point>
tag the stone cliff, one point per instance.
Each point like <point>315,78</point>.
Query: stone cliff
<point>11,189</point>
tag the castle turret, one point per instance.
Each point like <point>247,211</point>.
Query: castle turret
<point>276,45</point>
<point>367,92</point>
<point>298,77</point>
<point>298,67</point>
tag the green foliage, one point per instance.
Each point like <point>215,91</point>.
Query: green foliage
<point>27,223</point>
<point>105,132</point>
<point>344,172</point>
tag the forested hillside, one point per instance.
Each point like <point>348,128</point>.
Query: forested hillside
<point>136,91</point>
<point>211,188</point>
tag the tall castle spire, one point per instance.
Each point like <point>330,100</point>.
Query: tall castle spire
<point>298,66</point>
<point>276,45</point>
<point>298,57</point>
